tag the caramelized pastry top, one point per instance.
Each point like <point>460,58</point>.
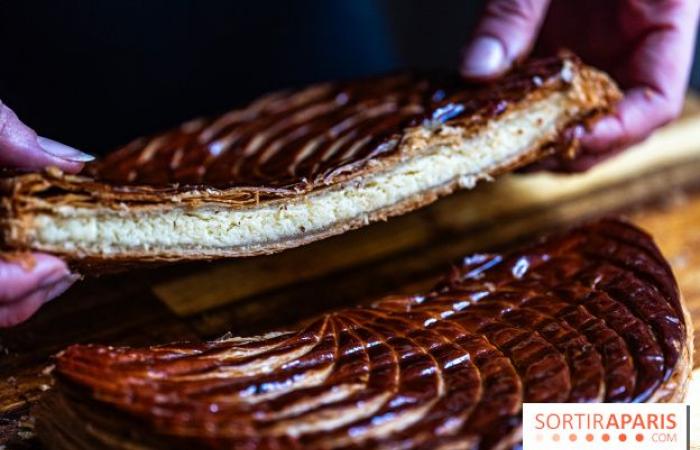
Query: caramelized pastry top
<point>295,140</point>
<point>590,316</point>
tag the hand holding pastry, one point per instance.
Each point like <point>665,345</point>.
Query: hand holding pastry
<point>646,46</point>
<point>24,289</point>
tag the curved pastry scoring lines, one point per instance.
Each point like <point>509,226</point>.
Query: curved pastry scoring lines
<point>494,396</point>
<point>660,316</point>
<point>333,390</point>
<point>619,371</point>
<point>178,371</point>
<point>574,279</point>
<point>573,346</point>
<point>418,386</point>
<point>647,355</point>
<point>382,381</point>
<point>645,317</point>
<point>525,347</point>
<point>287,140</point>
<point>224,423</point>
<point>405,411</point>
<point>338,387</point>
<point>583,359</point>
<point>450,368</point>
<point>312,368</point>
<point>631,328</point>
<point>502,389</point>
<point>459,377</point>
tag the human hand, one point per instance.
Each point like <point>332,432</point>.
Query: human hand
<point>23,290</point>
<point>646,45</point>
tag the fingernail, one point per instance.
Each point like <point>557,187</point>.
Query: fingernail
<point>63,151</point>
<point>55,277</point>
<point>603,135</point>
<point>484,57</point>
<point>59,287</point>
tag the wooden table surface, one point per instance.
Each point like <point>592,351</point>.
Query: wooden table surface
<point>206,300</point>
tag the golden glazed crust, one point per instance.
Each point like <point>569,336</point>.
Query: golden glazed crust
<point>588,316</point>
<point>429,128</point>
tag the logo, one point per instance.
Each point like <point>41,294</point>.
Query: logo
<point>600,426</point>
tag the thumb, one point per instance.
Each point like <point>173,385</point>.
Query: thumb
<point>21,148</point>
<point>505,33</point>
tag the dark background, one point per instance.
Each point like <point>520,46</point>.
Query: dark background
<point>96,73</point>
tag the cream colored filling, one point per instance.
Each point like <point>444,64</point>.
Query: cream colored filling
<point>210,227</point>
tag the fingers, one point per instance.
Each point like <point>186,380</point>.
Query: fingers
<point>655,74</point>
<point>639,113</point>
<point>22,291</point>
<point>505,33</point>
<point>16,313</point>
<point>21,148</point>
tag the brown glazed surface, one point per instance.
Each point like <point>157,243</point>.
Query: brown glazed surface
<point>295,140</point>
<point>592,315</point>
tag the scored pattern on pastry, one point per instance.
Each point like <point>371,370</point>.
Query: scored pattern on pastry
<point>299,166</point>
<point>590,316</point>
<point>291,139</point>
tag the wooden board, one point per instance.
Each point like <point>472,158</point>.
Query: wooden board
<point>199,301</point>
